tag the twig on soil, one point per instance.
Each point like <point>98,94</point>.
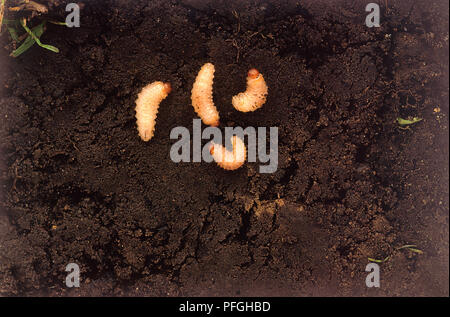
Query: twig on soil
<point>236,15</point>
<point>28,5</point>
<point>238,50</point>
<point>2,11</point>
<point>73,144</point>
<point>235,44</point>
<point>16,174</point>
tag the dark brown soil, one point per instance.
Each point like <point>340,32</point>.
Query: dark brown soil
<point>78,185</point>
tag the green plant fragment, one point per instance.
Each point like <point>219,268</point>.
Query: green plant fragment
<point>402,121</point>
<point>46,46</point>
<point>29,41</point>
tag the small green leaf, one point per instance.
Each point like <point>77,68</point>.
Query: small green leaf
<point>402,121</point>
<point>29,41</point>
<point>9,21</point>
<point>36,38</point>
<point>378,261</point>
<point>57,22</point>
<point>416,250</point>
<point>49,47</point>
<point>13,33</point>
<point>411,247</point>
<point>406,246</point>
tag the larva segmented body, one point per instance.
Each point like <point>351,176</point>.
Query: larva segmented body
<point>255,95</point>
<point>202,96</point>
<point>229,160</point>
<point>147,105</point>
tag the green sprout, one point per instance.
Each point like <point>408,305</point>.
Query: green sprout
<point>411,247</point>
<point>402,121</point>
<point>13,33</point>
<point>57,22</point>
<point>36,38</point>
<point>32,35</point>
<point>379,261</point>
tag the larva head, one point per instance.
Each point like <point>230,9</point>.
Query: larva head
<point>253,73</point>
<point>167,88</point>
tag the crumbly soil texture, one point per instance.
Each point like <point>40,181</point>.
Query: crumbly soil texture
<point>79,186</point>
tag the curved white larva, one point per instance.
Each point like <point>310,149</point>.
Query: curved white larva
<point>255,95</point>
<point>147,105</point>
<point>229,160</point>
<point>202,96</point>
